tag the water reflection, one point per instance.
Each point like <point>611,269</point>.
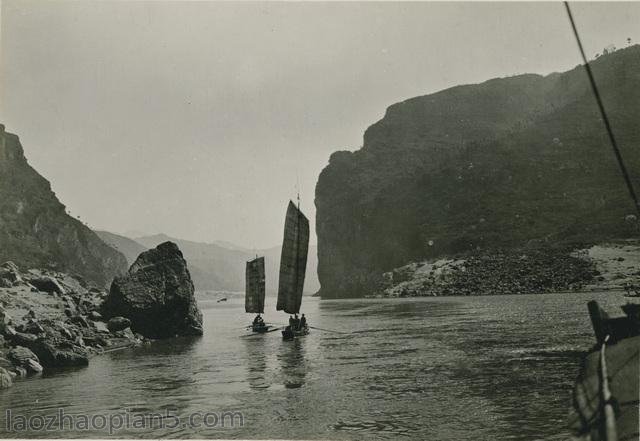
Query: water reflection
<point>293,366</point>
<point>256,361</point>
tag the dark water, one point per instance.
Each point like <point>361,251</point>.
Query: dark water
<point>477,368</point>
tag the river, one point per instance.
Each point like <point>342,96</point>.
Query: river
<point>454,368</point>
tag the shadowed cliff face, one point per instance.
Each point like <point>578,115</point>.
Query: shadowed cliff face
<point>514,162</point>
<point>35,230</point>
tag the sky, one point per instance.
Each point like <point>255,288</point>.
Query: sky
<point>201,119</point>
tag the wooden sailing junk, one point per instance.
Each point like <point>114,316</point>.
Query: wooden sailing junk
<point>293,264</point>
<point>255,292</point>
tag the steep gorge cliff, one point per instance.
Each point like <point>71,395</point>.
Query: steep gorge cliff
<point>518,162</point>
<point>35,230</point>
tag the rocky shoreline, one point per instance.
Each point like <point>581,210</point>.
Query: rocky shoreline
<point>52,320</point>
<point>609,266</point>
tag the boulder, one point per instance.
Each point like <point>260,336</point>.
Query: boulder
<point>157,295</point>
<point>31,327</point>
<point>10,273</point>
<point>101,327</point>
<point>55,352</point>
<point>64,332</point>
<point>21,356</point>
<point>47,284</point>
<point>125,333</point>
<point>9,331</point>
<point>118,324</point>
<point>33,366</point>
<point>95,315</point>
<point>5,379</point>
<point>5,363</point>
<point>5,320</point>
<point>79,320</point>
<point>23,339</point>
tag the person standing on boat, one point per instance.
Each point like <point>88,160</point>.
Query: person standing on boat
<point>303,322</point>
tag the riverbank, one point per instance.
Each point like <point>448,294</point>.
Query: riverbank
<point>51,320</point>
<point>603,267</point>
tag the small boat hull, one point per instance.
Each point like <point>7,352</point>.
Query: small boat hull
<point>260,329</point>
<point>289,334</point>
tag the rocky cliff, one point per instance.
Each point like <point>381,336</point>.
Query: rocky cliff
<point>35,230</point>
<point>518,162</point>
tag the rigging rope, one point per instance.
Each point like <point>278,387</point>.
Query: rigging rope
<point>605,119</point>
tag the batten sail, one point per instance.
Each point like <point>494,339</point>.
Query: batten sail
<point>254,289</point>
<point>293,260</point>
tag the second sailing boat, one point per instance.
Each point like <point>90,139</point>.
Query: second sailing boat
<point>254,293</point>
<point>293,264</point>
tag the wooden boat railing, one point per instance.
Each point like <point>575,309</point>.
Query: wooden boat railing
<point>611,430</point>
<point>605,396</point>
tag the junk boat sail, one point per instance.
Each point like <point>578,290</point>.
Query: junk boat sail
<point>293,264</point>
<point>254,293</point>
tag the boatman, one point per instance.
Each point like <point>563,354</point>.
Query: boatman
<point>296,322</point>
<point>303,322</point>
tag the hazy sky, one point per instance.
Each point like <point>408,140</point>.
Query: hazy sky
<point>197,119</point>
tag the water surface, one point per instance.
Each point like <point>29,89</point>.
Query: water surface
<point>457,368</point>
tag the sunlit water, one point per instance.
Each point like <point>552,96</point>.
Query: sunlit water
<point>476,368</point>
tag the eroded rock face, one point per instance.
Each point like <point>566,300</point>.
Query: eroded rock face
<point>157,295</point>
<point>479,167</point>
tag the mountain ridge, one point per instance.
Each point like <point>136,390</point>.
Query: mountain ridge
<point>35,229</point>
<point>215,267</point>
<point>521,161</point>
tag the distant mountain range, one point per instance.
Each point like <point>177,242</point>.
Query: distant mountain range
<point>128,247</point>
<point>215,266</point>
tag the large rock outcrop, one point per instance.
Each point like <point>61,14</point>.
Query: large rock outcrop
<point>515,162</point>
<point>36,231</point>
<point>157,295</point>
